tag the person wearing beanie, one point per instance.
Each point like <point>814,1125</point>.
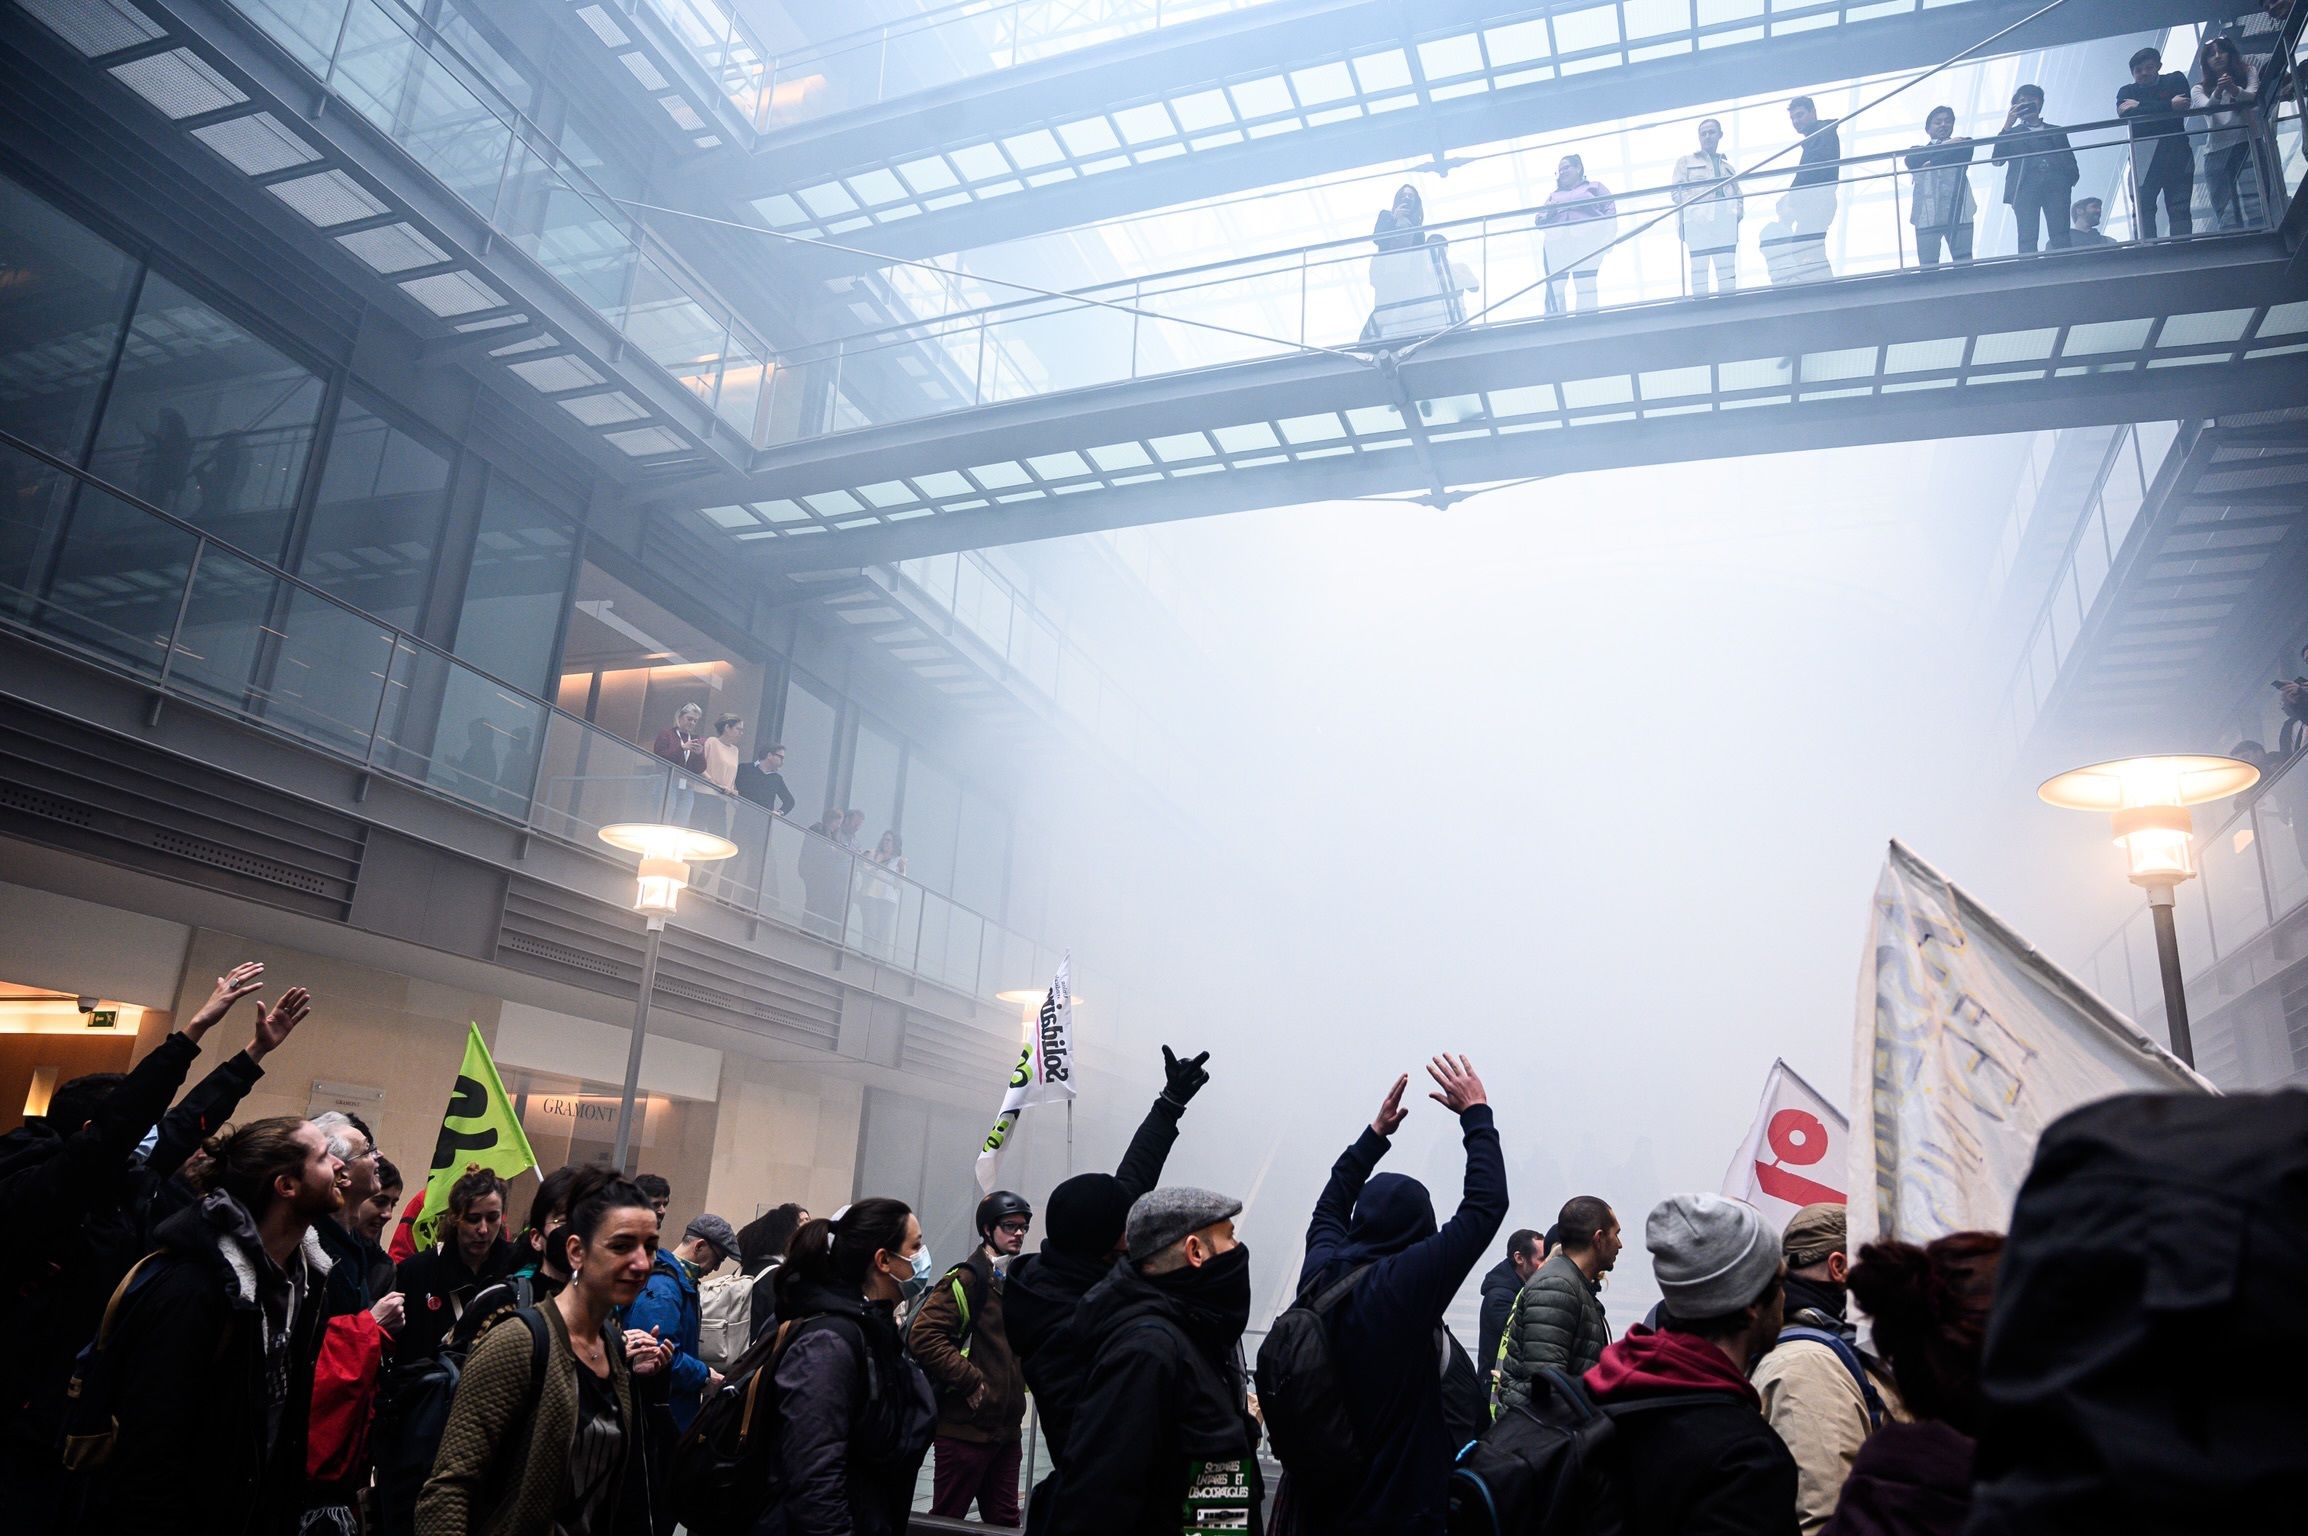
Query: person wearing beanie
<point>1822,1393</point>
<point>1162,1436</point>
<point>1387,1334</point>
<point>1690,1450</point>
<point>1929,1309</point>
<point>1082,1226</point>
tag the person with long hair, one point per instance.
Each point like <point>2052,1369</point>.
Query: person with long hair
<point>555,1446</point>
<point>854,1413</point>
<point>2227,90</point>
<point>1929,1307</point>
<point>878,892</point>
<point>1581,221</point>
<point>761,1245</point>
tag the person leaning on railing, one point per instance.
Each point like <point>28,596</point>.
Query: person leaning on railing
<point>2155,105</point>
<point>2227,89</point>
<point>1940,204</point>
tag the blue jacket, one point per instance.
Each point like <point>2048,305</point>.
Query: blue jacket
<point>669,1304</point>
<point>1385,1335</point>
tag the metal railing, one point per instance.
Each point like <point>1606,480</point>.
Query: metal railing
<point>91,571</point>
<point>1650,246</point>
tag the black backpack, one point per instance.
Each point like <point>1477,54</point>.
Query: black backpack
<point>1301,1392</point>
<point>413,1411</point>
<point>724,1473</point>
<point>1545,1470</point>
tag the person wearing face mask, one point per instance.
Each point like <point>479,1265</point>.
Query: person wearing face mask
<point>1376,1240</point>
<point>854,1413</point>
<point>543,1448</point>
<point>1163,1439</point>
<point>958,1337</point>
<point>669,1306</point>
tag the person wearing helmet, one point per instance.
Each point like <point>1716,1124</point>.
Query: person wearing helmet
<point>958,1338</point>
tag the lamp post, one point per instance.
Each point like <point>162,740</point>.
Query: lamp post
<point>2148,800</point>
<point>666,854</point>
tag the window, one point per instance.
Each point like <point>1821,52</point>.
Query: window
<point>933,820</point>
<point>521,565</point>
<point>376,523</point>
<point>208,422</point>
<point>982,855</point>
<point>63,299</point>
<point>873,781</point>
<point>807,732</point>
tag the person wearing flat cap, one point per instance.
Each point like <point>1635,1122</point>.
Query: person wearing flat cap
<point>1162,1438</point>
<point>1690,1450</point>
<point>669,1303</point>
<point>1820,1391</point>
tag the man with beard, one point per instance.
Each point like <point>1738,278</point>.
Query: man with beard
<point>1085,1221</point>
<point>206,1371</point>
<point>1162,1438</point>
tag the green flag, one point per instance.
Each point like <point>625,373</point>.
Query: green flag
<point>478,1129</point>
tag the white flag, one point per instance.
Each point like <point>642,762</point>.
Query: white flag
<point>1045,1070</point>
<point>1796,1151</point>
<point>1969,1043</point>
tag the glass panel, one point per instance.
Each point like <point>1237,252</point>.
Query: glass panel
<point>825,869</point>
<point>981,855</point>
<point>63,299</point>
<point>307,29</point>
<point>2231,881</point>
<point>873,781</point>
<point>114,581</point>
<point>807,732</point>
<point>932,824</point>
<point>325,670</point>
<point>591,780</point>
<point>523,557</point>
<point>376,522</point>
<point>459,732</point>
<point>674,331</point>
<point>590,252</point>
<point>405,92</point>
<point>207,422</point>
<point>2282,817</point>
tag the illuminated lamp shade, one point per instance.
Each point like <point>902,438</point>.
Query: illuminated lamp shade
<point>2148,800</point>
<point>666,854</point>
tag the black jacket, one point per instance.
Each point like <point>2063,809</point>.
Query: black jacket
<point>855,1417</point>
<point>1500,1286</point>
<point>1713,1468</point>
<point>1385,1333</point>
<point>1165,1392</point>
<point>93,1204</point>
<point>1044,1289</point>
<point>211,1436</point>
<point>436,1287</point>
<point>2036,157</point>
<point>764,788</point>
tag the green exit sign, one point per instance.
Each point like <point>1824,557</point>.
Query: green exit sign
<point>104,1018</point>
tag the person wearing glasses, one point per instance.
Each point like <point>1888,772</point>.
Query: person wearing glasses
<point>958,1339</point>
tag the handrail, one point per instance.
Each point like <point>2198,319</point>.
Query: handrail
<point>1354,246</point>
<point>204,542</point>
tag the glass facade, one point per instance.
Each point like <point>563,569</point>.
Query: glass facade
<point>374,534</point>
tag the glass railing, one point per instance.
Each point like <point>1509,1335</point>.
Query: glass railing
<point>99,575</point>
<point>1881,214</point>
<point>2252,873</point>
<point>409,83</point>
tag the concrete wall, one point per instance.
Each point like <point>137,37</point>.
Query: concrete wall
<point>784,1133</point>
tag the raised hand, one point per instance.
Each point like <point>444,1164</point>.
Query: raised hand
<point>275,1024</point>
<point>1183,1079</point>
<point>1390,1111</point>
<point>1461,1089</point>
<point>231,987</point>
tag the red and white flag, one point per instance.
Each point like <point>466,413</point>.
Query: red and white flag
<point>1795,1152</point>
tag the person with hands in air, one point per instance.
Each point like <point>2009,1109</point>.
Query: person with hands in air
<point>545,1434</point>
<point>1082,1238</point>
<point>1386,1333</point>
<point>74,1181</point>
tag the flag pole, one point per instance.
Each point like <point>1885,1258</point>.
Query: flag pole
<point>640,1035</point>
<point>1069,1138</point>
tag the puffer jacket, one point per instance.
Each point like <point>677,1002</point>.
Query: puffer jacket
<point>937,1338</point>
<point>1557,1321</point>
<point>855,1417</point>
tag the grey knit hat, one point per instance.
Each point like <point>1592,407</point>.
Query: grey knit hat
<point>1161,1217</point>
<point>1710,1255</point>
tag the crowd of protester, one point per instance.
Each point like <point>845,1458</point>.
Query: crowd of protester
<point>218,1344</point>
<point>1418,288</point>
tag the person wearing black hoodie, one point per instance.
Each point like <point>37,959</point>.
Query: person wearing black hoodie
<point>1084,1222</point>
<point>1163,1440</point>
<point>74,1178</point>
<point>1502,1283</point>
<point>206,1376</point>
<point>1386,1333</point>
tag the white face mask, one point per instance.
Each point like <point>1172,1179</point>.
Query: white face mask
<point>917,1285</point>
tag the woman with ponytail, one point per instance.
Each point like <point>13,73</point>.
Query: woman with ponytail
<point>1929,1309</point>
<point>855,1414</point>
<point>545,1436</point>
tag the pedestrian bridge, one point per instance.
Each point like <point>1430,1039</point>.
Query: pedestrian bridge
<point>872,141</point>
<point>1164,399</point>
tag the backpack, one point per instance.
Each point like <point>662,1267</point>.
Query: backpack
<point>414,1410</point>
<point>968,1333</point>
<point>1545,1470</point>
<point>1301,1391</point>
<point>91,1428</point>
<point>723,1476</point>
<point>724,1319</point>
<point>1851,1363</point>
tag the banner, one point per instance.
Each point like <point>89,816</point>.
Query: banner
<point>1796,1152</point>
<point>1969,1043</point>
<point>1045,1070</point>
<point>479,1126</point>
